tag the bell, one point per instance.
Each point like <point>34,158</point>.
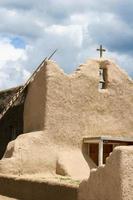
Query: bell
<point>101,75</point>
<point>102,80</point>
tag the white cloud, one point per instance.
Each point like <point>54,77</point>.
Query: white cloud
<point>76,28</point>
<point>73,32</point>
<point>9,53</point>
<point>11,70</point>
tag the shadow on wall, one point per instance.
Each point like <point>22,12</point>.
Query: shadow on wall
<point>35,102</point>
<point>23,189</point>
<point>11,126</point>
<point>85,153</point>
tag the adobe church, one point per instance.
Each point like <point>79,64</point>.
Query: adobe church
<point>42,129</point>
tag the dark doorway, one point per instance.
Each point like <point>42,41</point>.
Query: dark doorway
<point>107,149</point>
<point>93,152</point>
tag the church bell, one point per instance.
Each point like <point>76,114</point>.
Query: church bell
<point>101,76</point>
<point>102,80</point>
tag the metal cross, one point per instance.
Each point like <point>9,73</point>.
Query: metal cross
<point>101,50</point>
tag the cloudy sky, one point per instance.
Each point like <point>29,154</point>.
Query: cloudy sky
<point>31,29</point>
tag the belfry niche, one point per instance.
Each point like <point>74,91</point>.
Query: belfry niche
<point>103,77</point>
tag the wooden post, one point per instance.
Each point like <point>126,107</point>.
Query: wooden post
<point>100,153</point>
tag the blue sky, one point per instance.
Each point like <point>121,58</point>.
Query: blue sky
<point>31,30</point>
<point>18,42</point>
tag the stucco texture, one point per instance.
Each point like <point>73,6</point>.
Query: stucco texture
<point>113,181</point>
<point>60,109</point>
<point>72,105</point>
<point>29,188</point>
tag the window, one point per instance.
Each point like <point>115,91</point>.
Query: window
<point>93,152</point>
<point>103,78</point>
<point>94,149</point>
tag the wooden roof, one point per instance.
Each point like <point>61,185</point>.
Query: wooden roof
<point>107,138</point>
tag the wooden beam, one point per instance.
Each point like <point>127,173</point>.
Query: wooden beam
<point>100,153</point>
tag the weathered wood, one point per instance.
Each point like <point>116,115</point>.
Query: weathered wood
<point>100,153</point>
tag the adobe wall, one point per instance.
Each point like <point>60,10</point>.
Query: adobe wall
<point>28,154</point>
<point>76,107</point>
<point>34,189</point>
<point>64,108</point>
<point>34,108</point>
<point>113,181</point>
<point>72,105</point>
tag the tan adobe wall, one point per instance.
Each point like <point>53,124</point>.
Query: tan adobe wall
<point>34,108</point>
<point>35,153</point>
<point>69,96</point>
<point>65,108</point>
<point>35,189</point>
<point>72,105</point>
<point>114,181</point>
<point>76,108</point>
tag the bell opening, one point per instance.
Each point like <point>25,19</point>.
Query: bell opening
<point>103,78</point>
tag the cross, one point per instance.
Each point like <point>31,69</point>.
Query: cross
<point>101,51</point>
